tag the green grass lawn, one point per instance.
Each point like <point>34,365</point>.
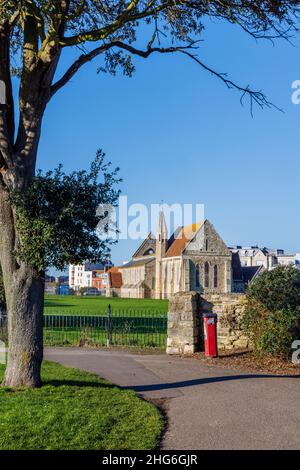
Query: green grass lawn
<point>80,305</point>
<point>76,410</point>
<point>98,338</point>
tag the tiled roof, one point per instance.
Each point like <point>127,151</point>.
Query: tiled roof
<point>138,262</point>
<point>186,234</point>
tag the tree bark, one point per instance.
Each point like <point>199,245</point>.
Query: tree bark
<point>23,285</point>
<point>24,292</point>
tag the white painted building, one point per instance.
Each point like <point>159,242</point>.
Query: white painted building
<point>266,257</point>
<point>79,277</point>
<point>82,275</point>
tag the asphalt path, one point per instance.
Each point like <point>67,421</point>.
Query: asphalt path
<point>207,407</point>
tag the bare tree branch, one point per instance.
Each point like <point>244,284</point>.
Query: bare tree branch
<point>256,97</point>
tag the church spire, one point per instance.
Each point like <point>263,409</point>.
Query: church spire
<point>160,252</point>
<point>162,231</point>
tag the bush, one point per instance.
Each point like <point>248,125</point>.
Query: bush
<point>272,316</point>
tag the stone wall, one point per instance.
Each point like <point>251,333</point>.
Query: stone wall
<point>185,329</point>
<point>229,308</point>
<point>184,323</point>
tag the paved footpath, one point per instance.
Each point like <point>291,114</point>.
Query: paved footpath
<point>207,407</point>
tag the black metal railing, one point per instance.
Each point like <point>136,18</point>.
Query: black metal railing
<point>126,327</point>
<point>116,328</point>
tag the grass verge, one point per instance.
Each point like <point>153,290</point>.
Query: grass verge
<point>76,410</point>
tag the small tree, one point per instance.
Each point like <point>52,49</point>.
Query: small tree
<point>272,316</point>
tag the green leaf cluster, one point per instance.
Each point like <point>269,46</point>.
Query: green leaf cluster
<point>272,316</point>
<point>57,217</point>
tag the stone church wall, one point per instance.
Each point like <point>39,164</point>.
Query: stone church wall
<point>149,283</point>
<point>208,247</point>
<point>171,276</point>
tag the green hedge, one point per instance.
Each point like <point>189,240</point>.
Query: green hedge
<point>272,316</point>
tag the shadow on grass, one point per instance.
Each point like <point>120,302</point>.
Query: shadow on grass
<point>77,383</point>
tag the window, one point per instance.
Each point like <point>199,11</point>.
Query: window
<point>149,252</point>
<point>197,276</point>
<point>206,274</point>
<point>206,245</point>
<point>216,276</point>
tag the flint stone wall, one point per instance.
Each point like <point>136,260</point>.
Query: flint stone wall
<point>185,327</point>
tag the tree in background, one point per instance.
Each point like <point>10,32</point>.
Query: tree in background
<point>272,316</point>
<point>36,33</point>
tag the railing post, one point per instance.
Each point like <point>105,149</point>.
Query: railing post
<point>108,326</point>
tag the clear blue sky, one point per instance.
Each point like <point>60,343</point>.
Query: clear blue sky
<point>179,135</point>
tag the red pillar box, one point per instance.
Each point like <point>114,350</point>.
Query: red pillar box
<point>210,334</point>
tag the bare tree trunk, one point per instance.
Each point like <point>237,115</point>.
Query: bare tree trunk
<point>24,291</point>
<point>24,286</point>
<point>25,330</point>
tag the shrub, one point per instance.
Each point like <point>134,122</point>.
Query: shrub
<point>272,316</point>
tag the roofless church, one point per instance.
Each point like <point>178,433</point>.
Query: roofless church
<point>194,258</point>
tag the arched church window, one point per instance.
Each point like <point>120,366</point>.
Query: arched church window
<point>206,245</point>
<point>206,274</point>
<point>216,280</point>
<point>197,276</point>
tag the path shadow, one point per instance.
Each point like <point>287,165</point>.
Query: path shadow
<point>206,380</point>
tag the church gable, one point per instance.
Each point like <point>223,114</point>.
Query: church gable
<point>181,238</point>
<point>147,248</point>
<point>207,240</point>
